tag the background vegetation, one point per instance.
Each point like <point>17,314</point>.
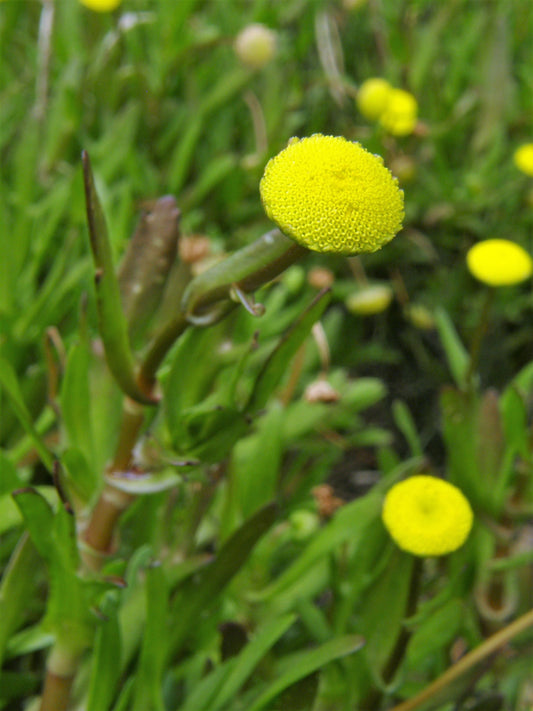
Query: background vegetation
<point>212,598</point>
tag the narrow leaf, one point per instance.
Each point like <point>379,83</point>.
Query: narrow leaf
<point>306,664</point>
<point>9,382</point>
<point>113,325</point>
<point>276,365</point>
<point>198,594</point>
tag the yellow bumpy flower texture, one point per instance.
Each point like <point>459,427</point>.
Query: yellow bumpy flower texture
<point>499,262</point>
<point>331,195</point>
<point>427,516</point>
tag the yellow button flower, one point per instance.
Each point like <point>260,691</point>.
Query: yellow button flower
<point>427,516</point>
<point>372,97</point>
<point>101,5</point>
<point>331,195</point>
<point>401,113</point>
<point>523,158</point>
<point>499,262</point>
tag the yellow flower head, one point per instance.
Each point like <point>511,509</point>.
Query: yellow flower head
<point>400,115</point>
<point>499,262</point>
<point>427,516</point>
<point>101,5</point>
<point>372,97</point>
<point>331,195</point>
<point>523,158</point>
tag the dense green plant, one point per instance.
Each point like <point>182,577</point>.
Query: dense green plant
<point>213,540</point>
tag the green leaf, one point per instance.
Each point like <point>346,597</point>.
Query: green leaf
<point>105,661</point>
<point>255,463</point>
<point>306,663</point>
<point>154,648</point>
<point>197,595</point>
<point>54,535</point>
<point>389,592</point>
<point>456,354</point>
<point>113,325</point>
<point>79,474</point>
<point>436,632</point>
<point>220,688</point>
<point>278,361</point>
<point>406,424</point>
<point>10,479</point>
<point>9,382</point>
<point>76,402</point>
<point>16,589</point>
<point>349,523</point>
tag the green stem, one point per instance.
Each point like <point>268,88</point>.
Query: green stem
<point>470,660</point>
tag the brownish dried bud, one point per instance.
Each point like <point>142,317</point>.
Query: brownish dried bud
<point>320,277</point>
<point>321,391</point>
<point>326,501</point>
<point>194,248</point>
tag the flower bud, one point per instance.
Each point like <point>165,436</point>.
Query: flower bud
<point>400,115</point>
<point>320,277</point>
<point>369,300</point>
<point>321,391</point>
<point>372,97</point>
<point>255,45</point>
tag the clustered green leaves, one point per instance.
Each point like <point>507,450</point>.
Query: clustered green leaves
<point>233,577</point>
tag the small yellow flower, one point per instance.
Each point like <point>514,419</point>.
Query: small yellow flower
<point>499,262</point>
<point>101,5</point>
<point>255,45</point>
<point>401,113</point>
<point>523,158</point>
<point>369,300</point>
<point>331,195</point>
<point>372,97</point>
<point>427,516</point>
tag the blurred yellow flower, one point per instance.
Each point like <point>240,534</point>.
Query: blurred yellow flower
<point>101,5</point>
<point>372,97</point>
<point>255,45</point>
<point>427,516</point>
<point>331,195</point>
<point>369,300</point>
<point>523,158</point>
<point>499,262</point>
<point>400,115</point>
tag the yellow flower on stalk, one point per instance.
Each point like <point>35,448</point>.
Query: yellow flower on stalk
<point>400,115</point>
<point>499,262</point>
<point>332,195</point>
<point>101,5</point>
<point>427,516</point>
<point>523,158</point>
<point>372,97</point>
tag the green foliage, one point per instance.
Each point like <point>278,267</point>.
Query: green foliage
<point>184,551</point>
